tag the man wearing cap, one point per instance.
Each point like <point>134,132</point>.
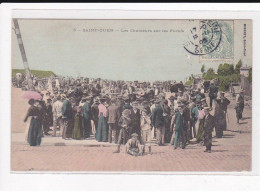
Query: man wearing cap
<point>198,96</point>
<point>240,101</point>
<point>57,115</point>
<point>186,118</point>
<point>134,147</point>
<point>208,126</point>
<point>87,116</point>
<point>158,122</point>
<point>49,113</point>
<point>127,104</point>
<point>136,116</point>
<point>213,91</point>
<point>113,113</point>
<point>179,127</point>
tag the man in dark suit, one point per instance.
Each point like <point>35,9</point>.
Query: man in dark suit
<point>87,116</point>
<point>94,112</point>
<point>158,122</point>
<point>208,126</point>
<point>67,116</point>
<point>136,119</point>
<point>179,127</point>
<point>113,113</point>
<point>186,120</point>
<point>213,91</point>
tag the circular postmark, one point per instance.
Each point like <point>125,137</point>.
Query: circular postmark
<point>204,39</point>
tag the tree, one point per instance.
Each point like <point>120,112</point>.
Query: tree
<point>210,71</point>
<point>210,74</point>
<point>225,81</point>
<point>238,66</point>
<point>202,69</point>
<point>225,69</point>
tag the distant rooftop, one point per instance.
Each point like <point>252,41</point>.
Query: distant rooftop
<point>245,68</point>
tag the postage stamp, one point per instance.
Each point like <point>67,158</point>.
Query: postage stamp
<point>211,40</point>
<point>225,48</point>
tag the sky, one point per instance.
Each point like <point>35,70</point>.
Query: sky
<point>70,48</point>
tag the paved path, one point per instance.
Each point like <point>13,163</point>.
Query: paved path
<point>231,153</point>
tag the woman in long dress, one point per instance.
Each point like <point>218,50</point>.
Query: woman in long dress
<point>77,132</point>
<point>35,128</point>
<point>220,116</point>
<point>200,133</point>
<point>101,134</point>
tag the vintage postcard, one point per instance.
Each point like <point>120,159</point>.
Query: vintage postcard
<point>128,95</point>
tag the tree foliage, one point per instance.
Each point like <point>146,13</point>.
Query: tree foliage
<point>238,66</point>
<point>225,69</point>
<point>226,75</point>
<point>225,81</point>
<point>202,68</point>
<point>37,73</point>
<point>210,74</point>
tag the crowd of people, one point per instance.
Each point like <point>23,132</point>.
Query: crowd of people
<point>128,113</point>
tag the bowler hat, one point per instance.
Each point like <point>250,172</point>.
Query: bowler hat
<point>96,100</point>
<point>31,101</point>
<point>157,101</point>
<point>134,135</point>
<point>134,103</point>
<point>88,97</point>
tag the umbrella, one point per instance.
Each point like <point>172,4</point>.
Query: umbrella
<point>32,95</point>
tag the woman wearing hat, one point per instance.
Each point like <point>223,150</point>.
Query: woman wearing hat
<point>35,129</point>
<point>101,134</point>
<point>240,100</point>
<point>220,115</point>
<point>77,132</point>
<point>238,111</point>
<point>87,116</point>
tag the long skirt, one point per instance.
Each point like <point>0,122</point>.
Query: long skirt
<point>220,125</point>
<point>208,139</point>
<point>87,127</point>
<point>200,134</point>
<point>168,133</point>
<point>35,132</point>
<point>77,132</point>
<point>101,134</point>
